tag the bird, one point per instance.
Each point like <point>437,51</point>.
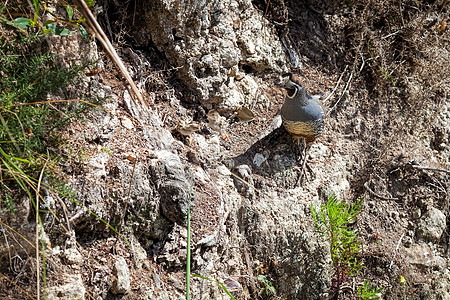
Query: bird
<point>302,115</point>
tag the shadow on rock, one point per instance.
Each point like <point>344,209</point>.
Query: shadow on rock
<point>273,160</point>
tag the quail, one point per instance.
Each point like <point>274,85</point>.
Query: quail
<point>302,114</point>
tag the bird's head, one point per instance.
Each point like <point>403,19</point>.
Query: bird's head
<point>292,86</point>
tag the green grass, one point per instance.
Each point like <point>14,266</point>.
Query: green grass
<point>28,121</point>
<point>29,76</point>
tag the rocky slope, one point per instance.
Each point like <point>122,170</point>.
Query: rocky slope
<point>215,63</point>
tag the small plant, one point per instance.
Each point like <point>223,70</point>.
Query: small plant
<point>332,222</point>
<point>267,287</point>
<point>8,202</point>
<point>51,26</point>
<point>368,292</point>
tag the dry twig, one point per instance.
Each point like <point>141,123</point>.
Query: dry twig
<point>366,186</point>
<point>342,95</point>
<point>419,167</point>
<point>337,84</point>
<point>13,283</point>
<point>37,229</point>
<point>101,36</point>
<point>395,251</point>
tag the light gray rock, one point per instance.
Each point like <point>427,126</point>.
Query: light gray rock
<point>73,256</point>
<point>71,289</point>
<point>245,183</point>
<point>97,164</point>
<point>177,284</point>
<point>152,293</point>
<point>420,255</point>
<point>121,283</point>
<point>432,225</point>
<point>209,40</point>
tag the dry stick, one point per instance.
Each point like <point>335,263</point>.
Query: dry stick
<point>66,215</point>
<point>55,101</point>
<point>93,24</point>
<point>428,168</point>
<point>396,249</point>
<point>337,84</point>
<point>13,230</point>
<point>37,231</point>
<point>8,247</point>
<point>366,185</point>
<point>25,292</point>
<point>363,62</point>
<point>391,34</point>
<point>342,95</point>
<point>243,181</point>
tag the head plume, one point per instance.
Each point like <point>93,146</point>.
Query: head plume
<point>292,85</point>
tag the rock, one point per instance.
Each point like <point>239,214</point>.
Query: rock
<point>73,256</point>
<point>232,285</point>
<point>127,123</point>
<point>224,171</point>
<point>139,256</point>
<point>210,240</point>
<point>167,173</point>
<point>417,213</point>
<point>132,108</point>
<point>209,41</point>
<point>176,283</point>
<point>121,283</point>
<point>72,289</point>
<point>259,159</point>
<point>97,165</point>
<point>420,255</point>
<point>72,49</point>
<point>432,225</point>
<point>245,183</point>
<point>152,293</point>
<point>209,147</point>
